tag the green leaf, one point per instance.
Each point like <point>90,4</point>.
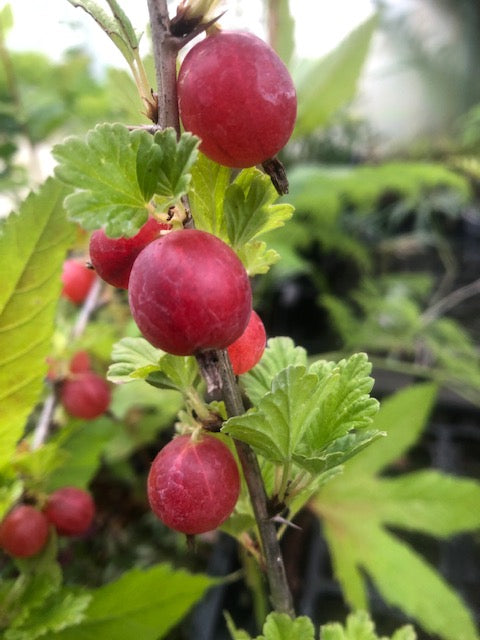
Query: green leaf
<point>325,85</point>
<point>249,207</point>
<point>275,427</point>
<point>402,417</point>
<point>257,258</point>
<point>284,36</point>
<point>112,27</point>
<point>280,626</point>
<point>279,354</point>
<point>306,411</point>
<point>356,507</point>
<point>277,626</point>
<point>37,464</point>
<point>116,172</point>
<point>141,604</point>
<point>33,244</point>
<point>207,191</point>
<point>103,169</point>
<point>133,358</point>
<point>430,502</point>
<point>40,578</point>
<point>338,452</point>
<point>237,634</point>
<point>136,358</point>
<point>359,626</point>
<point>176,372</point>
<point>407,581</point>
<point>82,444</point>
<point>124,22</point>
<point>163,165</point>
<point>6,19</point>
<point>10,492</point>
<point>57,613</point>
<point>343,402</point>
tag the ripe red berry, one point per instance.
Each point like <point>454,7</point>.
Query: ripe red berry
<point>24,531</point>
<point>86,395</point>
<point>113,258</point>
<point>188,292</point>
<point>77,280</point>
<point>247,350</point>
<point>193,485</point>
<point>70,510</point>
<point>80,362</point>
<point>236,94</point>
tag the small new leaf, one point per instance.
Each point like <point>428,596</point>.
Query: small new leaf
<point>163,165</point>
<point>359,626</point>
<point>249,207</point>
<point>116,172</point>
<point>278,626</point>
<point>133,358</point>
<point>103,170</point>
<point>176,372</point>
<point>117,27</point>
<point>256,257</point>
<point>279,354</point>
<point>207,191</point>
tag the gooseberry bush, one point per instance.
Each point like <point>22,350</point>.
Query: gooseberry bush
<point>175,214</point>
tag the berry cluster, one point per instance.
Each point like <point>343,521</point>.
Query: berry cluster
<point>24,530</point>
<point>188,291</point>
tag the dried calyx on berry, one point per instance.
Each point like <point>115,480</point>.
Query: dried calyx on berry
<point>192,13</point>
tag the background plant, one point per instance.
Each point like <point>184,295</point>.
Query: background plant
<point>73,453</point>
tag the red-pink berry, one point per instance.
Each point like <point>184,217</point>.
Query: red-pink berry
<point>247,350</point>
<point>237,96</point>
<point>193,485</point>
<point>188,292</point>
<point>24,531</point>
<point>77,280</point>
<point>85,395</point>
<point>113,258</point>
<point>80,362</point>
<point>70,510</point>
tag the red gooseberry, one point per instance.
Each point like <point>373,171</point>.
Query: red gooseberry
<point>193,484</point>
<point>247,350</point>
<point>70,510</point>
<point>24,531</point>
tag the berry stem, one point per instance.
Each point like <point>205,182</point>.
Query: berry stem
<point>42,428</point>
<point>165,49</point>
<point>280,594</point>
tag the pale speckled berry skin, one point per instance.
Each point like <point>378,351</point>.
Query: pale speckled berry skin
<point>248,349</point>
<point>236,94</point>
<point>189,292</point>
<point>193,486</point>
<point>70,510</point>
<point>113,258</point>
<point>24,531</point>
